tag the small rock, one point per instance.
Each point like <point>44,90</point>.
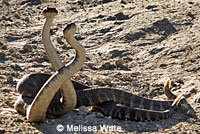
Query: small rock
<point>27,19</point>
<point>17,16</point>
<point>27,48</point>
<point>16,66</point>
<point>121,16</point>
<point>11,50</point>
<point>9,79</point>
<point>151,7</point>
<point>190,2</point>
<point>187,95</point>
<point>19,120</point>
<point>163,65</point>
<point>83,110</point>
<point>98,82</point>
<point>193,90</point>
<point>45,57</point>
<point>118,16</point>
<point>34,46</point>
<point>107,81</point>
<point>106,65</point>
<point>123,1</point>
<point>119,62</point>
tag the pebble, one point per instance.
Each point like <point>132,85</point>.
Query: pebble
<point>34,46</point>
<point>123,1</point>
<point>119,62</point>
<point>19,120</point>
<point>45,57</point>
<point>151,6</point>
<point>107,81</point>
<point>11,50</point>
<point>16,66</point>
<point>26,19</point>
<point>9,79</point>
<point>106,65</point>
<point>193,90</point>
<point>83,110</point>
<point>163,65</point>
<point>27,48</point>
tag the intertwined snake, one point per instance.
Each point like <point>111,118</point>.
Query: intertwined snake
<point>41,94</point>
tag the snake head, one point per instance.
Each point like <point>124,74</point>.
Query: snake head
<point>70,30</point>
<point>181,104</point>
<point>50,12</point>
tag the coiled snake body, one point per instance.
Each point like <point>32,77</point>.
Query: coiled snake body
<point>41,94</point>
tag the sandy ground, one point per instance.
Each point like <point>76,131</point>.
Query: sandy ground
<point>130,45</point>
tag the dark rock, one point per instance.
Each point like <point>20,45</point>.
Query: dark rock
<point>123,1</point>
<point>190,2</point>
<point>106,65</point>
<point>193,90</point>
<point>163,65</point>
<point>187,95</point>
<point>9,79</point>
<point>27,48</point>
<point>151,7</point>
<point>19,120</point>
<point>16,67</point>
<point>119,16</point>
<point>17,16</point>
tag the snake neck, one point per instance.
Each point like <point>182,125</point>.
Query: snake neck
<point>49,48</point>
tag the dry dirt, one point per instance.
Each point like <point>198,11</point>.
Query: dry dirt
<point>130,45</point>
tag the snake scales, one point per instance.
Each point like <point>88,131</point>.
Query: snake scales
<point>134,107</point>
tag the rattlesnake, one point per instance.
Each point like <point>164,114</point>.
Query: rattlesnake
<point>135,107</point>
